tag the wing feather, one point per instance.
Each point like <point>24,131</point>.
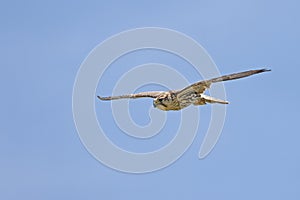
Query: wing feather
<point>201,86</point>
<point>151,94</point>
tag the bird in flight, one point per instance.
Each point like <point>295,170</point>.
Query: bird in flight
<point>193,94</point>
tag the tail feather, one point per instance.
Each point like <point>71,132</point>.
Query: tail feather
<point>210,99</point>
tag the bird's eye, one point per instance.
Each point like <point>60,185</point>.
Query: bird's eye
<point>160,100</point>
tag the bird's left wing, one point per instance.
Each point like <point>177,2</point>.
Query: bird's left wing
<point>201,86</point>
<point>151,94</point>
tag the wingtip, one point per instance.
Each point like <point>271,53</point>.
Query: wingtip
<point>262,70</point>
<point>257,71</point>
<point>266,70</point>
<point>224,102</point>
<point>101,98</point>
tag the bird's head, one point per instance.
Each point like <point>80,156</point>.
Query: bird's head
<point>160,103</point>
<point>165,101</point>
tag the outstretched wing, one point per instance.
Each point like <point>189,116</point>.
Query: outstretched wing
<point>151,94</point>
<point>201,86</point>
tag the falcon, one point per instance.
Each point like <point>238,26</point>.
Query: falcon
<point>190,95</point>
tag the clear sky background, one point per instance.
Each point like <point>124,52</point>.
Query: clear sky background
<point>42,46</point>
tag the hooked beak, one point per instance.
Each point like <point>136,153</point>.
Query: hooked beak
<point>154,105</point>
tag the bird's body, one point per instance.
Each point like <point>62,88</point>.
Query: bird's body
<point>191,95</point>
<point>173,100</point>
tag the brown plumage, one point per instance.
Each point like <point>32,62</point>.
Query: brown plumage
<point>193,94</point>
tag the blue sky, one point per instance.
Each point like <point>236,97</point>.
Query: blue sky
<point>42,47</point>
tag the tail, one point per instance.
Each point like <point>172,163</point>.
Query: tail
<point>238,75</point>
<point>210,99</point>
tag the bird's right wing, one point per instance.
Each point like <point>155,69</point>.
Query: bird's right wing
<point>151,94</point>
